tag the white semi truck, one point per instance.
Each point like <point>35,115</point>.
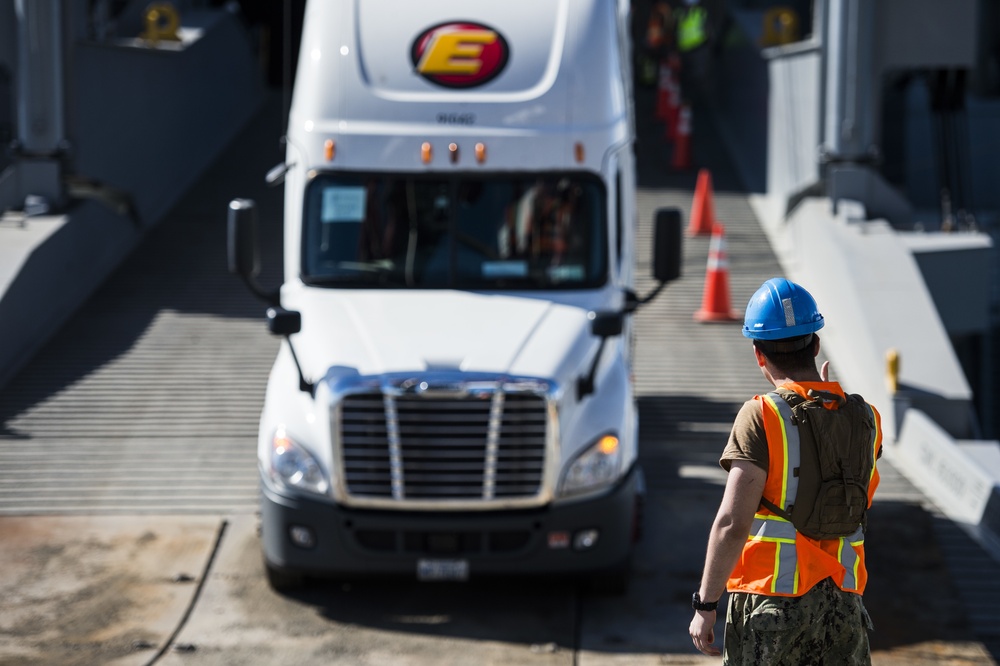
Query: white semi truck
<point>453,397</point>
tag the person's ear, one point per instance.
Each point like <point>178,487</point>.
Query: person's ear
<point>759,355</point>
<point>815,345</point>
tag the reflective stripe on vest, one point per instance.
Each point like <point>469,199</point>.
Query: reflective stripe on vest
<point>691,29</point>
<point>791,447</point>
<point>786,562</point>
<point>781,532</point>
<point>848,557</point>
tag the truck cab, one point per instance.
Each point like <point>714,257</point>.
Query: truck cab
<point>453,396</point>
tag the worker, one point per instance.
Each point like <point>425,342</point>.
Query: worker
<point>658,42</point>
<point>693,34</point>
<point>793,598</point>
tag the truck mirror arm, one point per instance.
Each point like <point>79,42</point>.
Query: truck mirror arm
<point>585,383</point>
<point>271,298</point>
<point>633,302</point>
<point>304,385</point>
<point>603,325</point>
<point>284,323</point>
<point>276,175</point>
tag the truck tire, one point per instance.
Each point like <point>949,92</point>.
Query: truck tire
<point>282,580</point>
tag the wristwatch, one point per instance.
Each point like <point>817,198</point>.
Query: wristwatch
<point>699,605</point>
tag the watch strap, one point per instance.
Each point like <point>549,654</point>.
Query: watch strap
<point>699,605</point>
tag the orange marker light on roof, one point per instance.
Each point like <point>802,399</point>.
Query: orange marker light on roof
<point>480,152</point>
<point>425,152</point>
<point>453,150</point>
<point>578,152</point>
<point>329,149</point>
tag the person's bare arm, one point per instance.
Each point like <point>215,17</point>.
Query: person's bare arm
<point>744,488</point>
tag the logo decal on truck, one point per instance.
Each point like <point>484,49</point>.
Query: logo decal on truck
<point>459,54</point>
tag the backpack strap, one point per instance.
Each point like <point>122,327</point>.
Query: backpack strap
<point>774,508</point>
<point>826,396</point>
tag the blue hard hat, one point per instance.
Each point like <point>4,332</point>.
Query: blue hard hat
<point>781,309</point>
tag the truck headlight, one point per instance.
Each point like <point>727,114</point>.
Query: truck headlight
<point>294,467</point>
<point>597,466</point>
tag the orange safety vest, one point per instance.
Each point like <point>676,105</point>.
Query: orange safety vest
<point>777,560</point>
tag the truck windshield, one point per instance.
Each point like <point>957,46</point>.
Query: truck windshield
<point>498,232</point>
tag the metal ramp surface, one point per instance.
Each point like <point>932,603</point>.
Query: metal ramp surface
<point>147,401</point>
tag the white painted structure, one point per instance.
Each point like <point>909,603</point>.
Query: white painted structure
<point>888,281</point>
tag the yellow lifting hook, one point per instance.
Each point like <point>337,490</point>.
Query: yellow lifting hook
<point>892,370</point>
<point>781,26</point>
<point>162,23</point>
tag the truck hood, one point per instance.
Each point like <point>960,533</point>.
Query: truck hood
<point>377,332</point>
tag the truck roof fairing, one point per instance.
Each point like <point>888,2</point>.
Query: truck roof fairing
<point>529,79</point>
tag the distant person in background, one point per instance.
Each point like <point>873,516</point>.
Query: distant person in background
<point>693,35</point>
<point>788,540</point>
<point>659,30</point>
<point>657,42</point>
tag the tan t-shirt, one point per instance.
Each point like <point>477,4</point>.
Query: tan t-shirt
<point>747,440</point>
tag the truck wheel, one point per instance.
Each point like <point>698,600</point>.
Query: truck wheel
<point>282,580</point>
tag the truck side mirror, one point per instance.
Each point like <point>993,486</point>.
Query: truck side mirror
<point>667,257</point>
<point>244,259</point>
<point>667,245</point>
<point>606,324</point>
<point>243,255</point>
<point>283,322</point>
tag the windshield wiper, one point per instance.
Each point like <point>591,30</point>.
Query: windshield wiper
<point>374,279</point>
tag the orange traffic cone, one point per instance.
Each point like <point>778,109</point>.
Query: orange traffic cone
<point>702,209</point>
<point>682,144</point>
<point>715,300</point>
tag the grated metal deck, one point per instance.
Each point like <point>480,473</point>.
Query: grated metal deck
<point>147,400</point>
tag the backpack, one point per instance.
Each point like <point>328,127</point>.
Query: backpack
<point>836,461</point>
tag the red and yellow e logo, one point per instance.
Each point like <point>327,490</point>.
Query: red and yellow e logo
<point>459,54</point>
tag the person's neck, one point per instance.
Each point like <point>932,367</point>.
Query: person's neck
<point>796,378</point>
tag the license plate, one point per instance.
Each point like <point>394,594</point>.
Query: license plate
<point>442,570</point>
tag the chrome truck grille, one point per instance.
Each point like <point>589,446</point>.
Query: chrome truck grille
<point>423,446</point>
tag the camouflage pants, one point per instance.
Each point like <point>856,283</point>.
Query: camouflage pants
<point>824,626</point>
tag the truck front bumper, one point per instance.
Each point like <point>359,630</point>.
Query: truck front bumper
<point>320,538</point>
